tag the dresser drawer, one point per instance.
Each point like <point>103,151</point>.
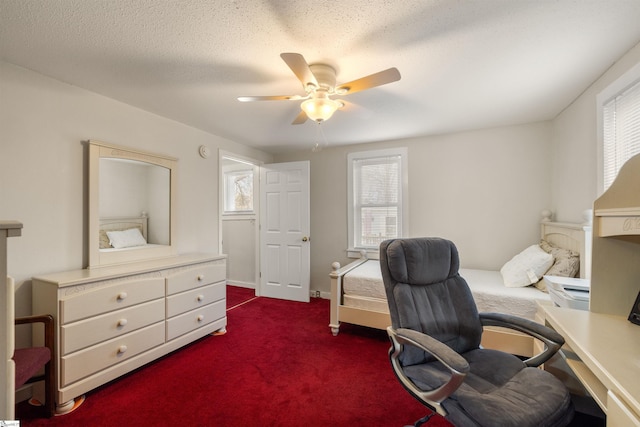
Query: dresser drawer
<point>195,277</point>
<point>85,333</point>
<point>187,322</point>
<point>93,359</point>
<point>199,297</point>
<point>110,297</point>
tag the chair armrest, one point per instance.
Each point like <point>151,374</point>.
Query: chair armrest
<point>445,354</point>
<point>49,328</point>
<point>455,363</point>
<point>43,318</point>
<point>551,339</point>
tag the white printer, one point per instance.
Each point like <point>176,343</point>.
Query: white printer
<point>568,292</point>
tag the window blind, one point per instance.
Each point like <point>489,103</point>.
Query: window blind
<point>621,131</point>
<point>377,190</point>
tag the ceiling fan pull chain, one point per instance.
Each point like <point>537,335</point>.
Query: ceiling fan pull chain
<point>321,139</point>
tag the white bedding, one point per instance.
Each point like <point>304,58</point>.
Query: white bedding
<point>365,280</point>
<point>363,288</point>
<point>491,295</point>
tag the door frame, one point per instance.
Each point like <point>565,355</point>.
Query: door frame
<point>222,154</point>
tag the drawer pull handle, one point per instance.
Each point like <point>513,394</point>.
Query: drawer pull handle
<point>200,318</point>
<point>121,296</point>
<point>200,298</point>
<point>200,277</point>
<point>122,322</point>
<point>122,349</point>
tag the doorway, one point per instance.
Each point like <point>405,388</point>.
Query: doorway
<point>239,219</point>
<point>274,260</point>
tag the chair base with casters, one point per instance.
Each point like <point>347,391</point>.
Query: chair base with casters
<point>436,354</point>
<point>29,361</point>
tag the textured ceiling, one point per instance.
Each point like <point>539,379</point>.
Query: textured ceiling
<point>464,64</point>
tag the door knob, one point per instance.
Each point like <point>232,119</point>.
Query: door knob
<point>305,238</point>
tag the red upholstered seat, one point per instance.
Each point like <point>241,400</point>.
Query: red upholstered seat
<point>31,360</point>
<point>28,362</point>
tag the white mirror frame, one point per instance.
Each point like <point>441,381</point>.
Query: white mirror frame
<point>97,258</point>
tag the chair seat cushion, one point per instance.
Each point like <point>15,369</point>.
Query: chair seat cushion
<point>483,376</point>
<point>532,397</point>
<point>500,387</point>
<point>28,362</point>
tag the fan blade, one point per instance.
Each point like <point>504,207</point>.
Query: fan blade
<point>271,98</point>
<point>300,68</point>
<point>302,117</point>
<point>373,80</point>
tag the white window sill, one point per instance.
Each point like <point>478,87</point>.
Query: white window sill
<point>358,253</point>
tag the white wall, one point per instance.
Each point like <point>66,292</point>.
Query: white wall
<point>239,235</point>
<point>480,188</point>
<point>574,147</point>
<point>483,189</point>
<point>43,170</point>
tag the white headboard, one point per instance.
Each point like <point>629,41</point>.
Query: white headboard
<point>123,223</point>
<point>575,237</point>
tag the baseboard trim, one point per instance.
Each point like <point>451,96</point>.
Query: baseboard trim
<point>241,284</point>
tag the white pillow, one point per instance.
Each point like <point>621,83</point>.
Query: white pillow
<point>526,268</point>
<point>126,238</point>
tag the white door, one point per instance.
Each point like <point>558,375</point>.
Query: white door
<point>284,231</point>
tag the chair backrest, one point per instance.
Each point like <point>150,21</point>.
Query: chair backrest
<point>425,293</point>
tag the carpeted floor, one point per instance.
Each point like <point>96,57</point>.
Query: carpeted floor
<point>277,365</point>
<point>237,296</point>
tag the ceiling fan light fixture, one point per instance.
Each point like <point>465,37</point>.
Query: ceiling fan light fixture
<point>320,108</point>
<point>319,82</point>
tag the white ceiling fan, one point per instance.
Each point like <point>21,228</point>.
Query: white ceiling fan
<point>319,83</point>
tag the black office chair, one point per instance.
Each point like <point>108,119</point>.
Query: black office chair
<point>436,354</point>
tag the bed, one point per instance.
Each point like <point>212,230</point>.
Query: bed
<point>122,239</point>
<point>126,239</point>
<point>358,296</point>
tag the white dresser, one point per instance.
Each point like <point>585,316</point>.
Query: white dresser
<point>112,320</point>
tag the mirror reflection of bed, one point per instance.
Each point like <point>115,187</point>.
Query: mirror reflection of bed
<point>358,296</point>
<point>130,196</point>
<point>129,187</point>
<point>124,233</point>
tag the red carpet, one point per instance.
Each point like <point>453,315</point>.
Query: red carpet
<point>237,295</point>
<point>278,365</point>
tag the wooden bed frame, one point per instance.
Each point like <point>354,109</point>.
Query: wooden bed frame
<point>576,237</point>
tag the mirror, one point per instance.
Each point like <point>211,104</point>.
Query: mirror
<point>131,201</point>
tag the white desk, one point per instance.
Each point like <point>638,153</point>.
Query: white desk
<point>608,348</point>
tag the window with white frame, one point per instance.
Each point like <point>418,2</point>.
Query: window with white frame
<point>619,107</point>
<point>377,195</point>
